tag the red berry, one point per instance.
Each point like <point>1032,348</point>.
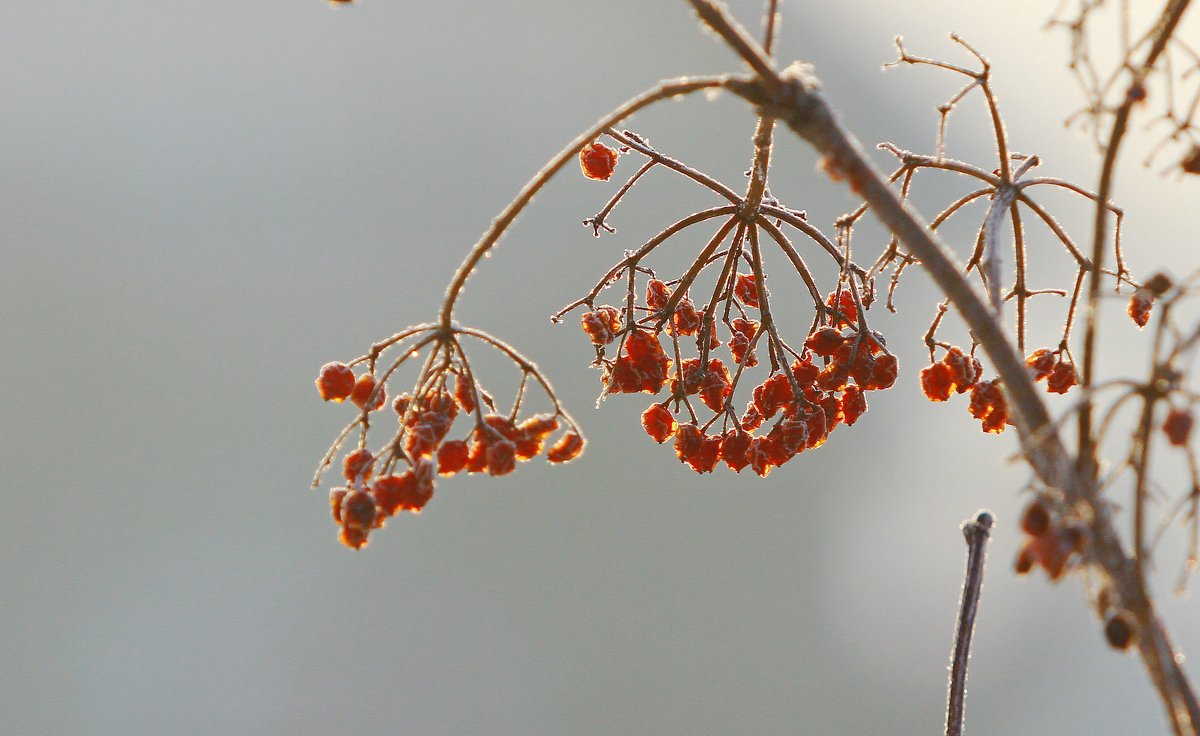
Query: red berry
<point>501,458</point>
<point>358,464</point>
<point>601,325</point>
<point>598,161</point>
<point>1042,363</point>
<point>825,341</point>
<point>568,447</point>
<point>1178,427</point>
<point>335,382</point>
<point>1062,378</point>
<point>658,423</point>
<point>364,388</point>
<point>1035,521</point>
<point>452,457</point>
<point>937,381</point>
<point>1139,308</point>
<point>745,288</point>
<point>854,404</point>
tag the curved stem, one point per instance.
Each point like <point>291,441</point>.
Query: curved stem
<point>665,90</point>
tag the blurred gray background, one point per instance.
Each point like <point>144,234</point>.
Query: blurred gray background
<point>203,202</point>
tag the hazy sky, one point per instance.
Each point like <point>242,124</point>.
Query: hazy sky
<point>204,202</point>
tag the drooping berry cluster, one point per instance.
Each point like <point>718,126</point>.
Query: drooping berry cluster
<point>789,411</point>
<point>400,476</point>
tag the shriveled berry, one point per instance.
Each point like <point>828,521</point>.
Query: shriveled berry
<point>1042,362</point>
<point>601,325</point>
<point>963,369</point>
<point>335,381</point>
<point>735,449</point>
<point>1061,379</point>
<point>1178,427</point>
<point>937,381</point>
<point>364,389</point>
<point>568,447</point>
<point>659,423</point>
<point>745,288</point>
<point>358,510</point>
<point>452,457</point>
<point>854,405</point>
<point>842,301</point>
<point>1139,308</point>
<point>464,393</point>
<point>657,295</point>
<point>825,341</point>
<point>1026,558</point>
<point>598,161</point>
<point>335,502</point>
<point>358,464</point>
<point>501,458</point>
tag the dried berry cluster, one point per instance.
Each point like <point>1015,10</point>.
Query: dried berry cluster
<point>789,411</point>
<point>421,446</point>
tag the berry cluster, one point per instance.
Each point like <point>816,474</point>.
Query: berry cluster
<point>400,476</point>
<point>821,388</point>
<point>1055,367</point>
<point>1049,542</point>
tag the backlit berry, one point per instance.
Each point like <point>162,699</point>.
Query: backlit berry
<point>745,288</point>
<point>825,341</point>
<point>1042,363</point>
<point>657,295</point>
<point>659,423</point>
<point>501,458</point>
<point>357,464</point>
<point>854,404</point>
<point>843,302</point>
<point>452,457</point>
<point>598,161</point>
<point>1061,379</point>
<point>937,381</point>
<point>568,447</point>
<point>335,382</point>
<point>601,325</point>
<point>1139,308</point>
<point>364,389</point>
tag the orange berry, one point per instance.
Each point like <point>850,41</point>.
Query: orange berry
<point>568,447</point>
<point>937,381</point>
<point>825,341</point>
<point>464,393</point>
<point>364,387</point>
<point>884,374</point>
<point>501,458</point>
<point>843,302</point>
<point>964,370</point>
<point>358,464</point>
<point>735,449</point>
<point>658,423</point>
<point>1042,362</point>
<point>1061,379</point>
<point>336,496</point>
<point>1139,308</point>
<point>745,288</point>
<point>358,510</point>
<point>335,382</point>
<point>598,161</point>
<point>657,295</point>
<point>1026,558</point>
<point>452,457</point>
<point>601,325</point>
<point>854,404</point>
